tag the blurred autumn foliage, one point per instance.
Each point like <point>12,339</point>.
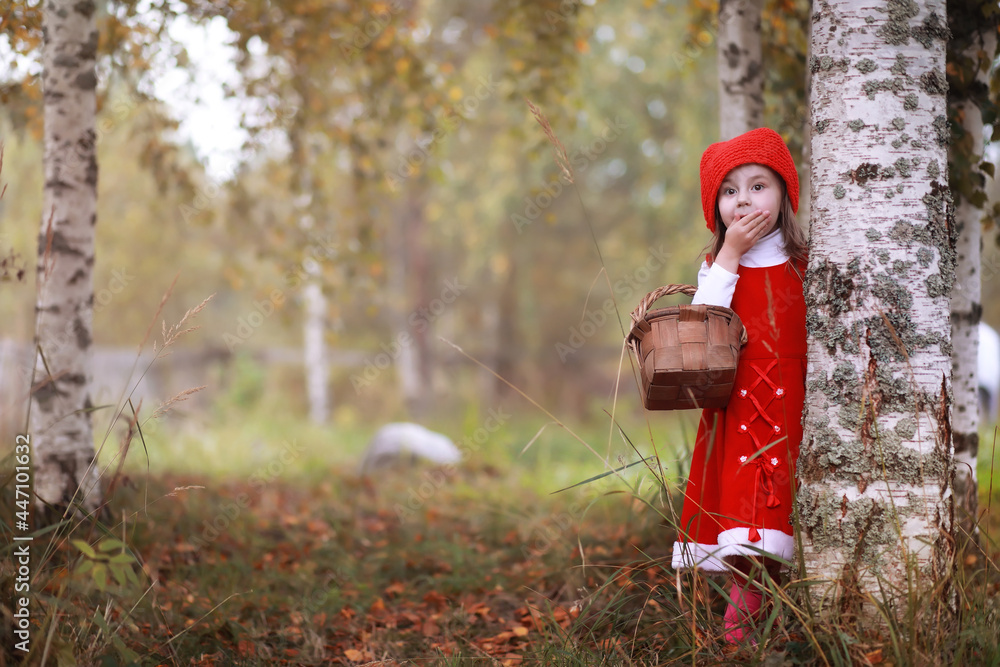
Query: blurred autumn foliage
<point>389,150</point>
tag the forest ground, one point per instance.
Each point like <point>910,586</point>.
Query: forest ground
<point>277,557</point>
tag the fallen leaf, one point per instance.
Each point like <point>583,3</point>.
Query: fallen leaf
<point>246,648</point>
<point>354,655</point>
<point>436,599</point>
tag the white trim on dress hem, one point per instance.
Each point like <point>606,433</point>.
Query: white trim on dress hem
<point>732,542</point>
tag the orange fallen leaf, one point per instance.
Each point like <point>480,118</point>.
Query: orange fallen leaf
<point>519,631</point>
<point>246,648</point>
<point>436,599</point>
<point>354,655</point>
<point>317,526</point>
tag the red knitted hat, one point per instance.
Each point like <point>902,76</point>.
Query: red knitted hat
<point>761,146</point>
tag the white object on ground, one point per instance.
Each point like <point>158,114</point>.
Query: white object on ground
<point>396,440</point>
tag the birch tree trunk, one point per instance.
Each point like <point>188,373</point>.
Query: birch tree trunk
<point>966,312</point>
<point>314,350</point>
<point>875,467</point>
<point>974,41</point>
<point>741,74</point>
<point>60,419</point>
<point>406,359</point>
<point>314,357</point>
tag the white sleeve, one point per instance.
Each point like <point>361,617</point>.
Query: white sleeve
<point>715,286</point>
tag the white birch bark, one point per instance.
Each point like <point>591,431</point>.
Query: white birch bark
<point>60,419</point>
<point>317,366</point>
<point>314,357</point>
<point>966,313</point>
<point>874,495</point>
<point>741,74</point>
<point>407,360</point>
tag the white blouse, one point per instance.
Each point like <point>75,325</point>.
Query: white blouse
<point>716,285</point>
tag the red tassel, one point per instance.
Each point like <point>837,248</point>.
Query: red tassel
<point>754,535</point>
<point>772,501</point>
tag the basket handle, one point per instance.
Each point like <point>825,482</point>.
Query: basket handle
<point>639,314</point>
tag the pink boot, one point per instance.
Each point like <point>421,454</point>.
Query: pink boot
<point>741,613</point>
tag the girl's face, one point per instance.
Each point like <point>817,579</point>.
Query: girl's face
<point>749,188</point>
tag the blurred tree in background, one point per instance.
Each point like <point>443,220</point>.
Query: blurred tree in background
<point>391,161</point>
<point>400,131</point>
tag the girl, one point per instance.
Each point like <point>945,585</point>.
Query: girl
<point>738,498</point>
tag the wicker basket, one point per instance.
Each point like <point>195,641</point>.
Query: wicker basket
<point>687,354</point>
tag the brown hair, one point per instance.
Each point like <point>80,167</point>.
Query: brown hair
<point>796,244</point>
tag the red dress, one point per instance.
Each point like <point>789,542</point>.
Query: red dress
<point>738,498</point>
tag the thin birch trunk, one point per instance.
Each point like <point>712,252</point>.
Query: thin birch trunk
<point>875,467</point>
<point>966,312</point>
<point>741,73</point>
<point>406,361</point>
<point>966,300</point>
<point>317,366</point>
<point>315,363</point>
<point>60,420</point>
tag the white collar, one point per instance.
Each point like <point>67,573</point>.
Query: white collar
<point>768,251</point>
